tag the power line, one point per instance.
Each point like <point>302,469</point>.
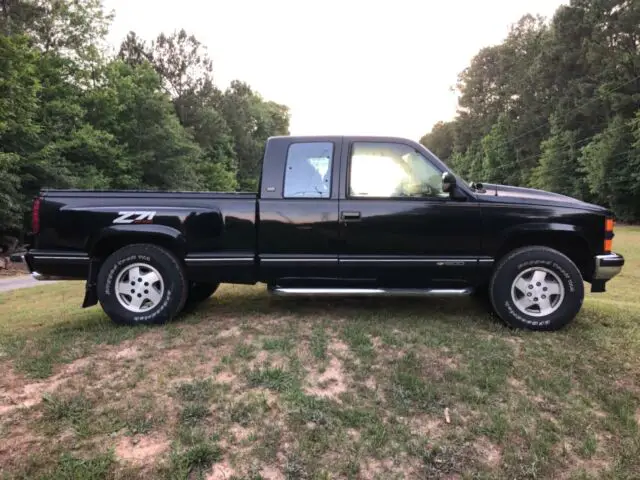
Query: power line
<point>566,148</point>
<point>627,152</point>
<point>547,122</point>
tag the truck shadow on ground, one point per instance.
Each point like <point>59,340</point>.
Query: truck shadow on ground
<point>461,311</point>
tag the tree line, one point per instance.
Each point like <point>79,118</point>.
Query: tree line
<point>148,117</point>
<point>555,106</point>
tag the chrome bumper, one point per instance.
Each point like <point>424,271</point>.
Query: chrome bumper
<point>608,266</point>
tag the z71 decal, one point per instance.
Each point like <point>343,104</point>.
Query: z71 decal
<point>135,217</point>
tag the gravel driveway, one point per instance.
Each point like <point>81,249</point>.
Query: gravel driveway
<point>22,281</point>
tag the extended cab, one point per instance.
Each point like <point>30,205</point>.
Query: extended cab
<point>334,215</point>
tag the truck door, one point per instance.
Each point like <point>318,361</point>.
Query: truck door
<point>298,211</point>
<point>397,227</point>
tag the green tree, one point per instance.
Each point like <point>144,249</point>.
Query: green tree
<point>72,117</point>
<point>251,121</point>
<point>441,139</point>
<point>549,89</point>
<point>19,88</point>
<point>500,160</point>
<point>154,150</point>
<point>611,163</point>
<point>187,76</point>
<point>558,168</point>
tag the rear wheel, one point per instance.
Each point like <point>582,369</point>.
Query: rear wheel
<point>142,284</point>
<point>537,288</point>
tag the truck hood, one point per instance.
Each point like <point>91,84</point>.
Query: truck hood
<point>492,192</point>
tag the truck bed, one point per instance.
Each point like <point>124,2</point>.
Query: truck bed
<point>208,228</point>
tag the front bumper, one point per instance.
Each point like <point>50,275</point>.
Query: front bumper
<point>607,266</point>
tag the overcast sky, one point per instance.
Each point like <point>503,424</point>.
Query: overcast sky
<point>343,67</point>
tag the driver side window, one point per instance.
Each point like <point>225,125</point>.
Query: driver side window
<point>391,170</point>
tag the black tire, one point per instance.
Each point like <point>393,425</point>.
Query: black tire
<point>149,257</point>
<point>198,293</point>
<point>549,260</point>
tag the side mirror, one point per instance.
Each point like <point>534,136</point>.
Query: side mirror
<point>448,182</point>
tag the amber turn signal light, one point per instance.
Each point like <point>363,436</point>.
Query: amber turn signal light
<point>608,245</point>
<point>609,224</point>
<point>608,234</point>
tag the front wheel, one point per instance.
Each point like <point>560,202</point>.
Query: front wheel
<point>537,288</point>
<point>142,284</point>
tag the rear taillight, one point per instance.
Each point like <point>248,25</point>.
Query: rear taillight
<point>608,234</point>
<point>35,216</point>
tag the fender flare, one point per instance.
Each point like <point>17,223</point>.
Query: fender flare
<point>541,227</point>
<point>549,231</point>
<point>145,232</point>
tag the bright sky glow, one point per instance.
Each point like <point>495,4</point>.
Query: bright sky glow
<point>343,67</point>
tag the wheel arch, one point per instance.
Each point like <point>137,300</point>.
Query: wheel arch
<point>115,237</point>
<point>567,239</point>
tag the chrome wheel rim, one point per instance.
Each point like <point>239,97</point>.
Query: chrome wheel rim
<point>537,292</point>
<point>139,287</point>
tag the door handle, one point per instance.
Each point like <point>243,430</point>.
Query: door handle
<point>350,216</point>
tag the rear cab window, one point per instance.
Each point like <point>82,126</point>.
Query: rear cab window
<point>308,170</point>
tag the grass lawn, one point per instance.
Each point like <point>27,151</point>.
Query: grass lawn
<point>254,387</point>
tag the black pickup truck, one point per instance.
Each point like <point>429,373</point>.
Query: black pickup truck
<point>334,215</point>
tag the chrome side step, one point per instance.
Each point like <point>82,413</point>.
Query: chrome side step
<point>45,278</point>
<point>371,292</point>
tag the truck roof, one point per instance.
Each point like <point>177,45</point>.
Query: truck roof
<point>361,138</point>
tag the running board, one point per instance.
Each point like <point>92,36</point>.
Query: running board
<point>372,292</point>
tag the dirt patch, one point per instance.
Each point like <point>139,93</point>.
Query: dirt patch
<point>516,343</point>
<point>13,269</point>
<point>221,471</point>
<point>427,426</point>
<point>489,453</point>
<point>127,353</point>
<point>374,468</point>
<point>435,362</point>
<point>240,433</point>
<point>142,450</point>
<point>230,332</point>
<point>516,384</point>
<point>271,473</point>
<point>271,398</point>
<point>594,467</point>
<point>330,383</point>
<point>338,347</point>
<point>628,384</point>
<point>18,444</point>
<point>353,434</point>
<point>225,377</point>
<point>19,392</point>
<point>638,417</point>
<point>261,358</point>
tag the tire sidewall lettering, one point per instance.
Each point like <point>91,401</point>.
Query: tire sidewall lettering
<point>157,311</point>
<point>520,260</point>
<point>166,265</point>
<point>551,265</point>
